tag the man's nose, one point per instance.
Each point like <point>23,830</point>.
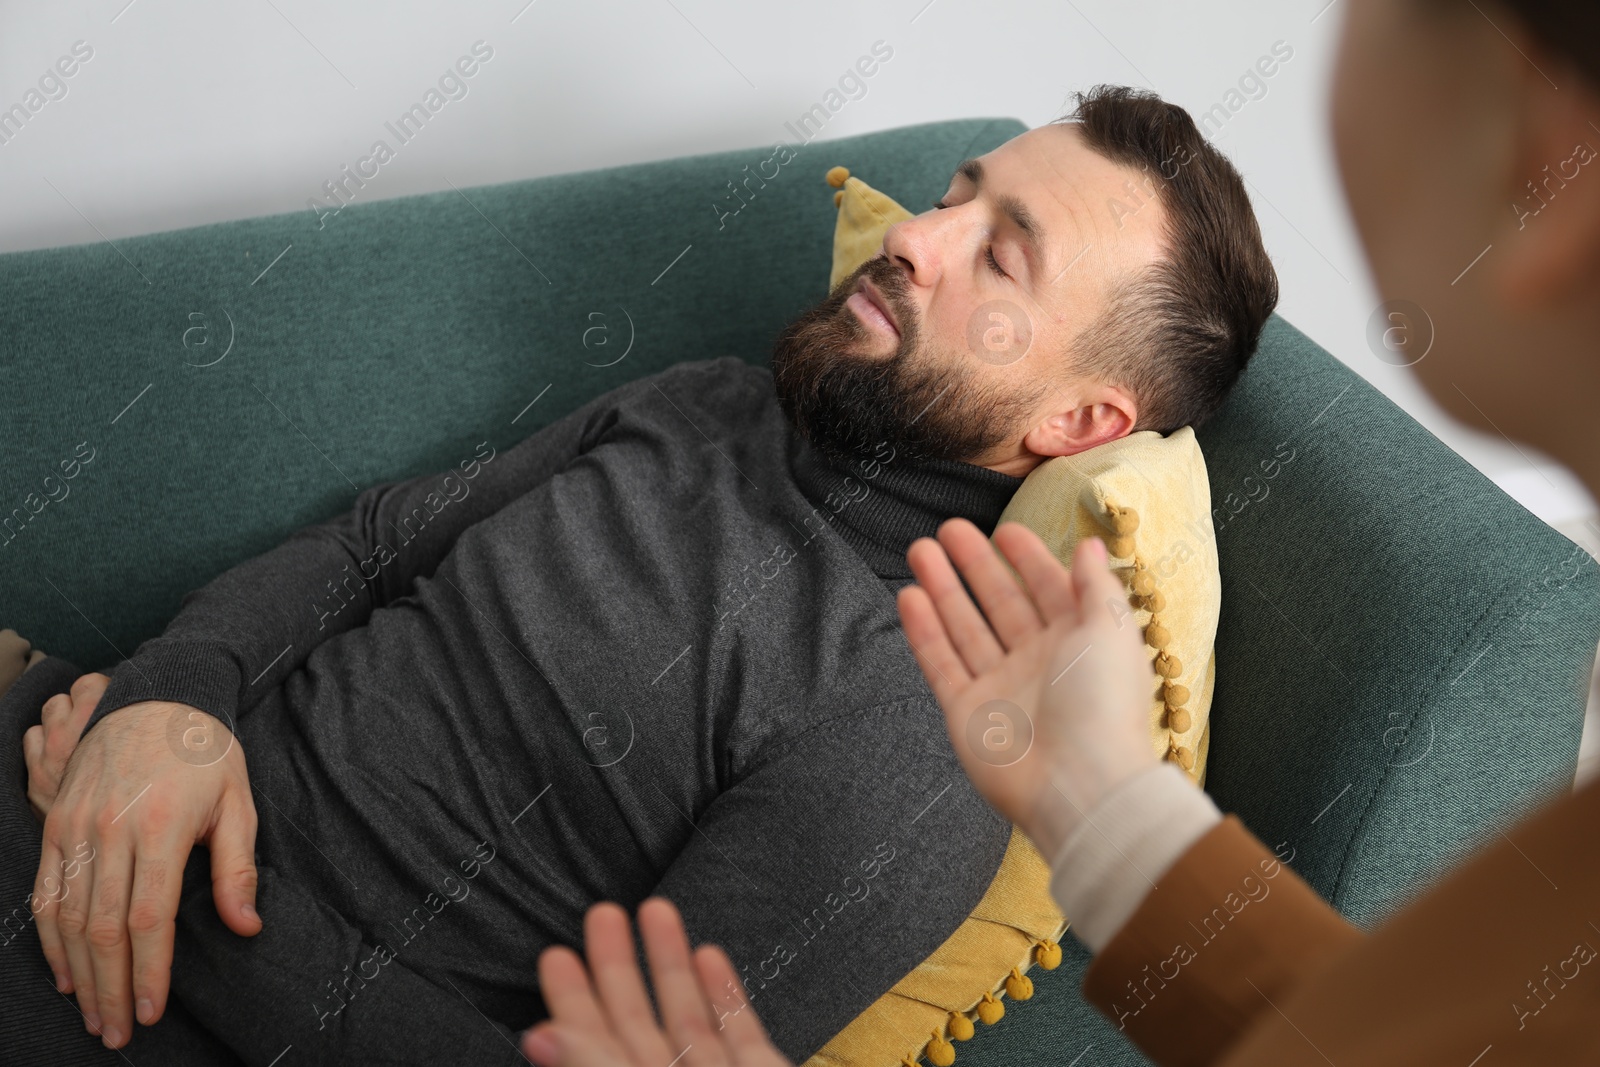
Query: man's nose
<point>913,245</point>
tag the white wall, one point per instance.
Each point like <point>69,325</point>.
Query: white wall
<point>191,112</point>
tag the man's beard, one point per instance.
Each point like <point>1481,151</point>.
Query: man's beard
<point>924,404</point>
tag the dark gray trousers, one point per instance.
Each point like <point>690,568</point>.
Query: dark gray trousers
<point>39,1025</point>
<point>234,1000</point>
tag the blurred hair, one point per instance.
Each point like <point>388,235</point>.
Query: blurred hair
<point>1571,27</point>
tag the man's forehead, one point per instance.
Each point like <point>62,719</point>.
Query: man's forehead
<point>1066,185</point>
<point>1051,155</point>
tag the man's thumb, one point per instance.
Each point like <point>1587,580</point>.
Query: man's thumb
<point>233,872</point>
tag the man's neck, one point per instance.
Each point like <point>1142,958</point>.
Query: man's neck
<point>882,501</point>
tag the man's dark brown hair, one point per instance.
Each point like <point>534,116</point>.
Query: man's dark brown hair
<point>1179,333</point>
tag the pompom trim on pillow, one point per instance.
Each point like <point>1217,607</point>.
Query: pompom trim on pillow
<point>1016,915</point>
<point>1122,523</point>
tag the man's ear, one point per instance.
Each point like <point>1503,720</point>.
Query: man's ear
<point>1090,415</point>
<point>1551,231</point>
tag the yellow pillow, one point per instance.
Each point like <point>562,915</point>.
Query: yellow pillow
<point>1149,498</point>
<point>864,216</point>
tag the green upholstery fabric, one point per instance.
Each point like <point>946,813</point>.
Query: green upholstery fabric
<point>1375,584</point>
<point>385,344</point>
<point>1403,659</point>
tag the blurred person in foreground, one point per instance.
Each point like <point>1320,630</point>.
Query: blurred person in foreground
<point>1463,129</point>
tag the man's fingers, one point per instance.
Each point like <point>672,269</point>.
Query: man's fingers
<point>1004,603</point>
<point>62,728</point>
<point>109,950</point>
<point>54,712</point>
<point>41,784</point>
<point>86,694</point>
<point>233,868</point>
<point>49,888</point>
<point>33,749</point>
<point>72,921</point>
<point>152,909</point>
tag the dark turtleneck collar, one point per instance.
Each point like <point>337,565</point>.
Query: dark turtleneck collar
<point>882,502</point>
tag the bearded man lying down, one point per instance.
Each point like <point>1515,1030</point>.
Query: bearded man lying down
<point>651,649</point>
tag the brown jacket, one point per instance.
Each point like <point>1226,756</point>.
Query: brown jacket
<point>1233,960</point>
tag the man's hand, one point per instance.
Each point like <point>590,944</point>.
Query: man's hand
<point>617,1027</point>
<point>47,747</point>
<point>1046,693</point>
<point>139,792</point>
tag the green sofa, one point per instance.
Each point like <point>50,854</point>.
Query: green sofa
<point>1404,650</point>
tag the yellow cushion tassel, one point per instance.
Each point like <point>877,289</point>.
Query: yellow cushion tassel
<point>959,1027</point>
<point>990,1009</point>
<point>1049,955</point>
<point>1019,986</point>
<point>940,1052</point>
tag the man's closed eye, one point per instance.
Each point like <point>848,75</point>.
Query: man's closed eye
<point>988,252</point>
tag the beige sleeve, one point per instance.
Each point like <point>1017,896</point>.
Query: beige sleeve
<point>1112,859</point>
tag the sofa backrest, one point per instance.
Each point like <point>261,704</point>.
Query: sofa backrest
<point>211,390</point>
<point>1404,651</point>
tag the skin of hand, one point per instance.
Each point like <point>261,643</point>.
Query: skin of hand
<point>601,1016</point>
<point>1054,659</point>
<point>47,747</point>
<point>16,656</point>
<point>138,792</point>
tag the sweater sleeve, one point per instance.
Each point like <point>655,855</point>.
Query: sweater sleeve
<point>1127,841</point>
<point>1226,931</point>
<point>243,632</point>
<point>834,868</point>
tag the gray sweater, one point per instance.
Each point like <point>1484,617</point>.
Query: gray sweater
<point>651,648</point>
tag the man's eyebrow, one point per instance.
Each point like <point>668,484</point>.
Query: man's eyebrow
<point>1014,209</point>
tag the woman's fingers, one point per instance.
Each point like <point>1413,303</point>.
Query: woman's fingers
<point>577,1034</point>
<point>614,964</point>
<point>741,1028</point>
<point>941,664</point>
<point>1003,601</point>
<point>953,639</point>
<point>1100,593</point>
<point>684,1009</point>
<point>568,994</point>
<point>965,628</point>
<point>1048,582</point>
<point>590,1024</point>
